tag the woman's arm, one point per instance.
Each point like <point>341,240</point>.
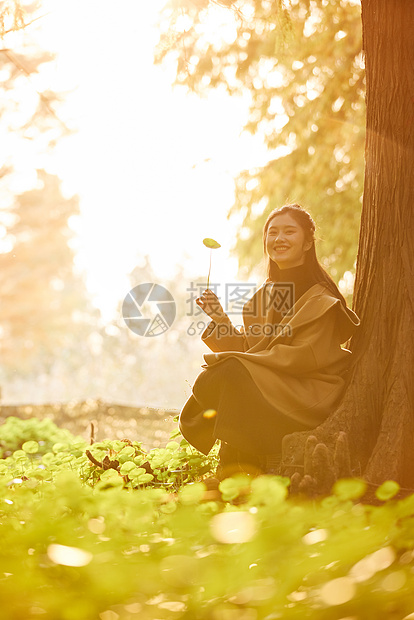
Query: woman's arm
<point>220,334</point>
<point>314,347</point>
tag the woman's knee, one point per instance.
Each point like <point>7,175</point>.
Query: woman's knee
<point>227,377</point>
<point>233,368</point>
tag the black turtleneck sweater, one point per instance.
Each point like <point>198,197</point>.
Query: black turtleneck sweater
<point>302,279</point>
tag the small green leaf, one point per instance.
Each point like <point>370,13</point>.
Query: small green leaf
<point>109,479</point>
<point>192,493</point>
<point>127,467</point>
<point>30,447</point>
<point>127,451</point>
<point>349,488</point>
<point>137,472</point>
<point>211,243</point>
<point>19,455</point>
<point>144,478</point>
<point>387,490</point>
<point>230,488</point>
<point>175,434</point>
<point>268,490</point>
<point>172,445</point>
<point>110,474</point>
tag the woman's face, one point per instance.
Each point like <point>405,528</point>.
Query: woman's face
<point>285,241</point>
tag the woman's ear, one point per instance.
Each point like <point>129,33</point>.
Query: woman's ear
<point>307,245</point>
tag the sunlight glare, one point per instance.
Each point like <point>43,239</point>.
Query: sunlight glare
<point>152,164</point>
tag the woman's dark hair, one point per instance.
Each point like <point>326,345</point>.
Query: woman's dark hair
<point>307,224</point>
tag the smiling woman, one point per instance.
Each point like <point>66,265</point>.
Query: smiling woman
<point>285,242</point>
<point>285,371</point>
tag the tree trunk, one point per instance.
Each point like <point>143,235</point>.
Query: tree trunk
<point>377,411</point>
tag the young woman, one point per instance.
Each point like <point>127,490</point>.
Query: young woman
<point>285,371</point>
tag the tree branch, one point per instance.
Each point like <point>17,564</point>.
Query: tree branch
<point>12,58</point>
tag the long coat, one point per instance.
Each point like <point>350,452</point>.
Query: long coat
<point>298,364</point>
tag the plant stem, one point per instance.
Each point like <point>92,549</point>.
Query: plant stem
<point>209,269</point>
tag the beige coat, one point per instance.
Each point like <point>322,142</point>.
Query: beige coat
<point>300,367</point>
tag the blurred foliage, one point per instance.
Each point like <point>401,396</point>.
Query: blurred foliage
<point>16,432</point>
<point>95,418</point>
<point>11,16</point>
<point>40,292</point>
<point>84,542</point>
<point>39,289</point>
<point>124,459</point>
<point>301,65</point>
<point>28,110</point>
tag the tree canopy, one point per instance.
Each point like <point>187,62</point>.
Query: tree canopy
<point>40,293</point>
<point>302,66</point>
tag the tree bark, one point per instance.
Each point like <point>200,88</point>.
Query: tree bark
<point>377,411</point>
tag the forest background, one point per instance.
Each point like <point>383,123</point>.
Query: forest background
<point>210,155</point>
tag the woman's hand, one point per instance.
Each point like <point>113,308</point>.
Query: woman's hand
<point>210,304</point>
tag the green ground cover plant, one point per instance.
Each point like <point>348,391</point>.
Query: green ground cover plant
<point>120,533</point>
